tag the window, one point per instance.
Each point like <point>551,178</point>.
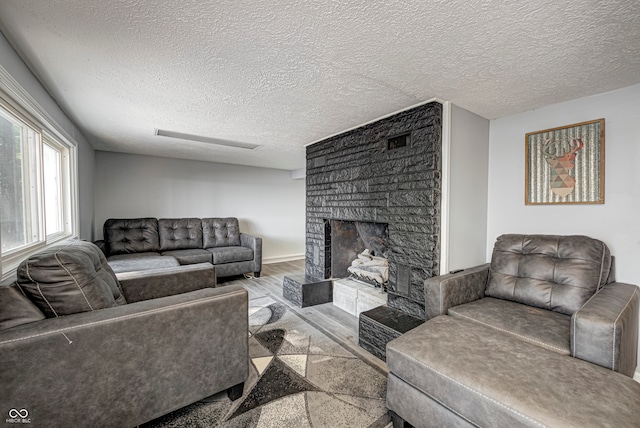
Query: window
<point>55,167</point>
<point>36,194</point>
<point>19,183</point>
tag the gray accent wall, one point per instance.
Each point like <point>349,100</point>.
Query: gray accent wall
<point>354,177</point>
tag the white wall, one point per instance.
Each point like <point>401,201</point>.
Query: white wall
<point>13,64</point>
<point>267,202</point>
<point>468,178</point>
<point>616,221</point>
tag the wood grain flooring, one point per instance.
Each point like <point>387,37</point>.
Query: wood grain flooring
<point>334,322</point>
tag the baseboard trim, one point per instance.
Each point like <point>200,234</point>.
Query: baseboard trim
<point>287,258</point>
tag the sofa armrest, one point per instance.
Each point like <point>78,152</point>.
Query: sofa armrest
<point>161,282</point>
<point>129,364</point>
<point>102,244</point>
<point>445,291</point>
<point>255,244</point>
<point>604,330</point>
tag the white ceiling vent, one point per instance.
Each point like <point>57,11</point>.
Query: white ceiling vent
<point>208,140</point>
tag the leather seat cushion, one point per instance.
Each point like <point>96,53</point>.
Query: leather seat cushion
<point>538,326</point>
<point>494,379</point>
<point>141,261</point>
<point>69,278</point>
<point>223,255</point>
<point>188,257</point>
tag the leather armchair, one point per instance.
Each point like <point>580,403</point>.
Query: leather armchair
<point>498,343</point>
<point>599,326</point>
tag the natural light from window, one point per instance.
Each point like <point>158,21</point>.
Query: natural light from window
<point>18,183</point>
<point>53,203</point>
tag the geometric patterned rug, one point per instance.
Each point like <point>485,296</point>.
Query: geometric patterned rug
<point>299,377</point>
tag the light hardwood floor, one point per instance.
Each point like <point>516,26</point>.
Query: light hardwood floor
<point>334,322</point>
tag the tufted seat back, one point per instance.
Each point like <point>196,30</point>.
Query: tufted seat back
<point>558,273</point>
<point>137,235</point>
<point>220,232</point>
<point>180,233</point>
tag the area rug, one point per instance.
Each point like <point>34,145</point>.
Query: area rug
<point>299,377</point>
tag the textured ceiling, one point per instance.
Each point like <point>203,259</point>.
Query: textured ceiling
<point>285,73</point>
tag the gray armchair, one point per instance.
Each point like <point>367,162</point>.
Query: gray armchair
<point>80,348</point>
<point>496,349</point>
<point>553,291</point>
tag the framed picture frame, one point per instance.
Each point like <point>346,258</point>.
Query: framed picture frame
<point>565,165</point>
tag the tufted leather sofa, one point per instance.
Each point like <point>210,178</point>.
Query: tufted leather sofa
<point>78,347</point>
<point>147,243</point>
<point>542,336</point>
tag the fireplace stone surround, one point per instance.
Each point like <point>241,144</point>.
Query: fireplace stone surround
<point>388,172</point>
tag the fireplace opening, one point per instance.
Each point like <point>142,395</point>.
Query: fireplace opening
<point>358,249</point>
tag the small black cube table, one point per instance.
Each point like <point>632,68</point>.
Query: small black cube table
<point>380,325</point>
<point>305,291</point>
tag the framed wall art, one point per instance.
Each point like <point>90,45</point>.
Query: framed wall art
<point>565,165</point>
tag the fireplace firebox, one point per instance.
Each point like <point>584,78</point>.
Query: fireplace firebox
<point>357,248</point>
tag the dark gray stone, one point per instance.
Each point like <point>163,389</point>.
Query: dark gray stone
<point>363,181</point>
<point>404,304</point>
<point>305,291</point>
<point>380,325</point>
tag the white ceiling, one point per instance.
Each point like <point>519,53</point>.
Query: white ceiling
<point>284,73</point>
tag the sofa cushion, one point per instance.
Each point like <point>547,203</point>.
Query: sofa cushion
<point>136,235</point>
<point>187,257</point>
<point>16,308</point>
<point>541,327</point>
<point>223,255</point>
<point>180,233</point>
<point>220,232</point>
<point>558,273</point>
<point>495,380</point>
<point>140,261</point>
<point>69,278</point>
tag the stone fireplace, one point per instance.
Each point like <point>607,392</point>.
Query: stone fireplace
<point>384,173</point>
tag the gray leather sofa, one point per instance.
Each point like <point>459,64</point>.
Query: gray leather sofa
<point>541,337</point>
<point>147,243</point>
<point>80,348</point>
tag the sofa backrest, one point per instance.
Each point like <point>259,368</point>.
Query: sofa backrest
<point>15,307</point>
<point>180,233</point>
<point>558,273</point>
<point>135,235</point>
<point>69,278</point>
<point>220,232</point>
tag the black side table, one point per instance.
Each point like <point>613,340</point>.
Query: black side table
<point>305,291</point>
<point>380,325</point>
